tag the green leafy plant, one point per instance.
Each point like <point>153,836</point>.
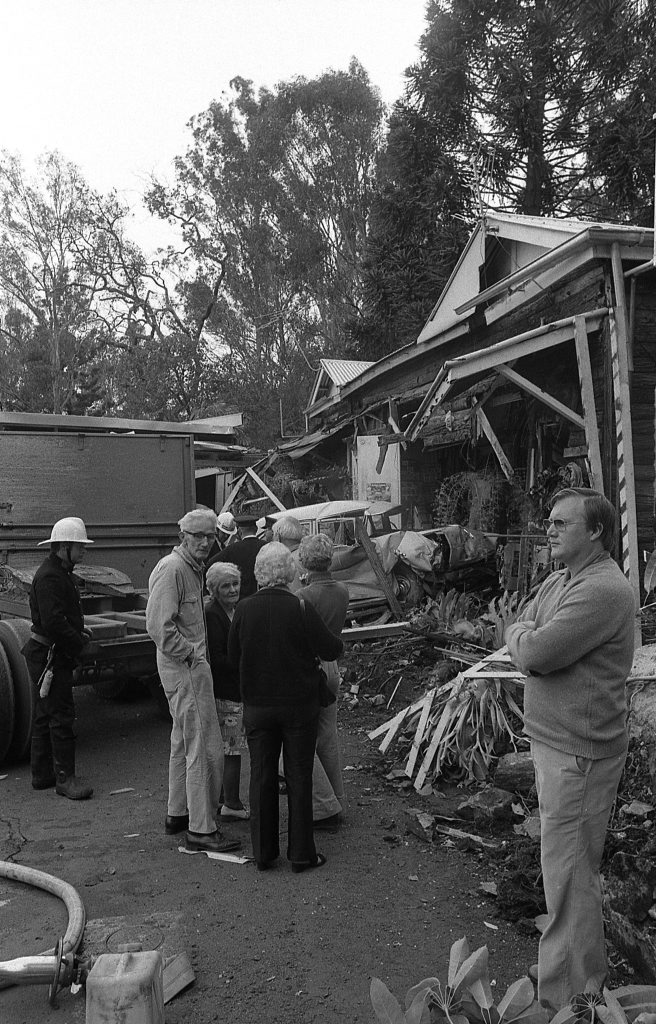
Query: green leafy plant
<point>466,998</point>
<point>471,722</point>
<point>501,612</point>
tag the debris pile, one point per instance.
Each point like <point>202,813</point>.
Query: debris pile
<point>463,725</point>
<point>456,722</point>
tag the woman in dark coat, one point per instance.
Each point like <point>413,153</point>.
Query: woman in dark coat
<point>276,647</point>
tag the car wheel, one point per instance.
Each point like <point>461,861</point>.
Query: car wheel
<point>411,589</point>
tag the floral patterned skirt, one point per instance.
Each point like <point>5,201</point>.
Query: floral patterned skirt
<point>231,720</point>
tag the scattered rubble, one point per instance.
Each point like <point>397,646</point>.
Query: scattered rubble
<point>498,815</point>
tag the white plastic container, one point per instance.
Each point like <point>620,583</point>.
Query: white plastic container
<point>126,988</point>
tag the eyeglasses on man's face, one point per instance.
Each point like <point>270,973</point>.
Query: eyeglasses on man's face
<point>560,525</point>
<point>200,536</point>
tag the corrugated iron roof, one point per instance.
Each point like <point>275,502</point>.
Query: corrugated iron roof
<point>341,371</point>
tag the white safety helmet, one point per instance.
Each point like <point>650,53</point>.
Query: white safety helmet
<point>225,523</point>
<point>70,530</point>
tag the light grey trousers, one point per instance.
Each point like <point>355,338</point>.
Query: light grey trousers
<point>575,796</point>
<point>196,759</point>
<point>328,747</point>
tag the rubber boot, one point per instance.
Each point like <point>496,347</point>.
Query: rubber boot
<point>43,772</point>
<point>72,787</point>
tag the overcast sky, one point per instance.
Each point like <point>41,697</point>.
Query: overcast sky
<point>111,84</point>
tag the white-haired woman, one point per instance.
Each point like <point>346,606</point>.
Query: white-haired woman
<point>330,599</point>
<point>276,647</point>
<point>223,581</point>
<point>288,531</point>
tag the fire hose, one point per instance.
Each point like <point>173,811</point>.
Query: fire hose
<point>54,969</point>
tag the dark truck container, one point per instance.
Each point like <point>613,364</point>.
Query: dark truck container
<point>130,489</point>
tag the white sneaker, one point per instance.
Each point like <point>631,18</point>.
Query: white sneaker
<point>234,814</point>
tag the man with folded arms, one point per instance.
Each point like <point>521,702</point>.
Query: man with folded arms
<point>575,643</point>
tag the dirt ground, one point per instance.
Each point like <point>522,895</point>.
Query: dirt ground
<point>274,947</point>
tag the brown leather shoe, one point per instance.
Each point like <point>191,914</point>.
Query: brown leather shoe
<point>212,842</point>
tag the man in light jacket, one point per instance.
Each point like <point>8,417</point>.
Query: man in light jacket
<point>575,643</point>
<point>176,623</point>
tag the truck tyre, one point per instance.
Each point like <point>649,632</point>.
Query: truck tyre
<point>6,705</point>
<point>14,633</point>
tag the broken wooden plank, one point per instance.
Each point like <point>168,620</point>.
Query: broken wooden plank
<point>497,448</point>
<point>457,833</point>
<point>379,730</point>
<point>373,632</point>
<point>429,756</point>
<point>364,539</point>
<point>393,732</point>
<point>419,735</point>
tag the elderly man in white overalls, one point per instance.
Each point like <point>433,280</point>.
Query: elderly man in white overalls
<point>175,621</point>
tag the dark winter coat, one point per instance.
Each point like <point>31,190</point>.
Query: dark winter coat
<point>276,648</point>
<point>225,675</point>
<point>242,554</point>
<point>56,610</point>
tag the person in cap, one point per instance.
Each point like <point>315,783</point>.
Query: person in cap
<point>52,652</point>
<point>223,582</point>
<point>175,621</point>
<point>243,553</point>
<point>226,533</point>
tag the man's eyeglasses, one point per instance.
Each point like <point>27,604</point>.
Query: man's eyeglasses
<point>560,525</point>
<point>200,536</point>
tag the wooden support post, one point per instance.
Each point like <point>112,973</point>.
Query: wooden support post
<point>364,539</point>
<point>625,470</point>
<point>588,402</point>
<point>486,426</point>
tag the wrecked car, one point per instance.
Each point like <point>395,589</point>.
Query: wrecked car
<point>418,563</point>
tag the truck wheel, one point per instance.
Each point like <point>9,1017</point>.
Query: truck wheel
<point>14,633</point>
<point>6,705</point>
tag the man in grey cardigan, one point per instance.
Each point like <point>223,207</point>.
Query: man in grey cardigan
<point>575,643</point>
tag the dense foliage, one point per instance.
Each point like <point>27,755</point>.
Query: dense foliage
<point>541,107</point>
<point>315,223</point>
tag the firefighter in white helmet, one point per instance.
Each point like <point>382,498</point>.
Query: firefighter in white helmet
<point>52,653</point>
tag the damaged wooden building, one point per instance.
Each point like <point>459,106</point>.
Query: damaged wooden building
<point>536,367</point>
